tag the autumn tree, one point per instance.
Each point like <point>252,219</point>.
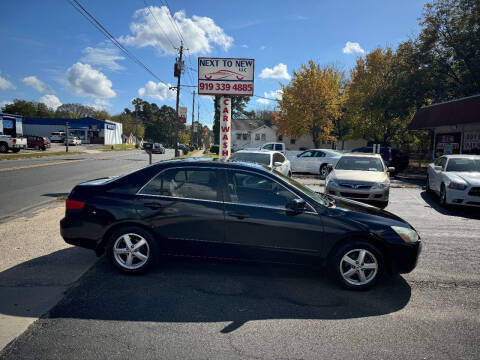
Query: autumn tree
<point>130,124</point>
<point>311,102</point>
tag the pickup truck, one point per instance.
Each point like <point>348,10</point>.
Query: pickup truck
<point>273,146</point>
<point>14,144</point>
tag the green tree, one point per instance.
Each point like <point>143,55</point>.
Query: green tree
<point>131,125</point>
<point>28,109</point>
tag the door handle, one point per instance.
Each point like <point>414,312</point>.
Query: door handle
<point>238,215</point>
<point>153,205</point>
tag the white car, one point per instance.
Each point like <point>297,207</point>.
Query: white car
<point>360,177</point>
<point>73,140</point>
<point>273,159</point>
<point>456,179</point>
<point>57,136</point>
<point>315,161</point>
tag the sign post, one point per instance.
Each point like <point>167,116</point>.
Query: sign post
<point>225,77</point>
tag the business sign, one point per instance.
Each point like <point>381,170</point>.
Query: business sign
<point>225,76</point>
<point>471,140</point>
<point>225,128</point>
<point>182,114</point>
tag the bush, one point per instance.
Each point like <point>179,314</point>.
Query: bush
<point>214,149</point>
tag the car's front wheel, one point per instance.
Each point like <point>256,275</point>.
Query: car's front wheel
<point>443,196</point>
<point>427,186</point>
<point>132,250</point>
<point>323,171</point>
<point>357,265</point>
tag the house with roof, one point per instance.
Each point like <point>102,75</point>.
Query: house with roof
<point>454,125</point>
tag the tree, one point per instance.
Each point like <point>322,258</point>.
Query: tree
<point>131,125</point>
<point>239,103</point>
<point>311,102</point>
<point>28,109</point>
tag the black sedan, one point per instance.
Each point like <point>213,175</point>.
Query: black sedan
<point>234,210</point>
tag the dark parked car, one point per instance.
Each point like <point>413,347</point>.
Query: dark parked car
<point>158,148</point>
<point>215,209</point>
<point>38,142</point>
<point>392,157</point>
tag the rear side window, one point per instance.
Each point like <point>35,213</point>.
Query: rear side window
<point>198,184</point>
<point>278,147</point>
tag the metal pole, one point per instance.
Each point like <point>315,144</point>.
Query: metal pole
<point>178,99</point>
<point>66,136</point>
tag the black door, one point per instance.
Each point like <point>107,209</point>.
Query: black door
<point>257,223</point>
<point>185,209</point>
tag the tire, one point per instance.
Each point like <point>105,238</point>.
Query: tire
<point>44,148</point>
<point>3,148</point>
<point>349,273</point>
<point>37,147</point>
<point>120,239</point>
<point>323,171</point>
<point>428,189</point>
<point>443,196</point>
<point>15,150</point>
<point>289,174</point>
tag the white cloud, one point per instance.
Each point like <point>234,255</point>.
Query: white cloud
<point>5,102</point>
<point>352,47</point>
<point>86,81</point>
<point>278,72</point>
<point>101,104</point>
<point>5,84</point>
<point>51,101</point>
<point>38,85</point>
<point>263,101</point>
<point>200,33</point>
<point>106,57</point>
<point>158,91</point>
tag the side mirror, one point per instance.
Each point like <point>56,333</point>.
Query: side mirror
<point>277,164</point>
<point>438,168</point>
<point>391,169</point>
<point>296,206</point>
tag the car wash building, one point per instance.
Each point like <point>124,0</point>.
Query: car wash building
<point>455,126</point>
<point>87,129</point>
<point>11,125</point>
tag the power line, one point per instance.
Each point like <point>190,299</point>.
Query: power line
<point>77,6</point>
<point>174,24</point>
<point>158,23</point>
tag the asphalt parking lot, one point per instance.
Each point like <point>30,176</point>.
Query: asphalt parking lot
<point>196,308</point>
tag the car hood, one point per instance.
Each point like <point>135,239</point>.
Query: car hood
<point>472,178</point>
<point>358,175</point>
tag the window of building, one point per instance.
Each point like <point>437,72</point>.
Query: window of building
<point>263,137</point>
<point>245,136</point>
<point>239,136</point>
<point>292,141</point>
<point>280,137</point>
<point>257,136</point>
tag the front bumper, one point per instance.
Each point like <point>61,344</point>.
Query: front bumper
<point>462,197</point>
<point>405,256</point>
<point>357,194</point>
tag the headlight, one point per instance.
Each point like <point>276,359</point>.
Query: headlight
<point>408,235</point>
<point>381,185</point>
<point>457,186</point>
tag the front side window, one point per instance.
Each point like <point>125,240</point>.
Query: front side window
<point>184,183</point>
<point>307,154</point>
<point>319,154</point>
<point>251,189</point>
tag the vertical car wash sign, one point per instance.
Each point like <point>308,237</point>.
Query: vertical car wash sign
<point>225,77</point>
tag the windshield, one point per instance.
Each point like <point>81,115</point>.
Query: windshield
<point>366,163</point>
<point>262,159</point>
<point>319,198</point>
<point>463,165</point>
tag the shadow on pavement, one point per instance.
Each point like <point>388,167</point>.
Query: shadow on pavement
<point>55,195</point>
<point>185,290</point>
<point>452,210</point>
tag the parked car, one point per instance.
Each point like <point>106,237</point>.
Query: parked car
<point>73,140</point>
<point>234,210</point>
<point>272,159</point>
<point>158,148</point>
<point>273,146</point>
<point>15,144</point>
<point>456,179</point>
<point>391,157</point>
<point>38,142</point>
<point>57,137</point>
<point>315,161</point>
<point>183,148</point>
<point>361,177</point>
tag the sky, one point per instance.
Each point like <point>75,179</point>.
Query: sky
<point>51,53</point>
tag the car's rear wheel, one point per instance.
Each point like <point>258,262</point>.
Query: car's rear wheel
<point>16,150</point>
<point>357,265</point>
<point>427,186</point>
<point>132,250</point>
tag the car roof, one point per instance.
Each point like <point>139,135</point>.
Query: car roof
<point>362,155</point>
<point>257,152</point>
<point>456,156</point>
<point>212,163</point>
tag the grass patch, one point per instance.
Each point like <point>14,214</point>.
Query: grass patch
<point>118,147</point>
<point>210,156</point>
<point>37,155</point>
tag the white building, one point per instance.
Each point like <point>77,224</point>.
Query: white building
<point>249,133</point>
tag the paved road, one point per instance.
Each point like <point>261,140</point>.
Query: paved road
<point>210,309</point>
<point>30,182</point>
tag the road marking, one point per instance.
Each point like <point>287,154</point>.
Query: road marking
<point>58,163</point>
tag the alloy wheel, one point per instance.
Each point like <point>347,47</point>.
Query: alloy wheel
<point>131,251</point>
<point>358,267</point>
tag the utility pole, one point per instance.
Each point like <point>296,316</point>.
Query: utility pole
<point>180,68</point>
<point>66,136</point>
<point>198,120</point>
<point>193,118</point>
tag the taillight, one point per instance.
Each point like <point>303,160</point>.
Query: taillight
<point>14,141</point>
<point>389,154</point>
<point>74,204</point>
